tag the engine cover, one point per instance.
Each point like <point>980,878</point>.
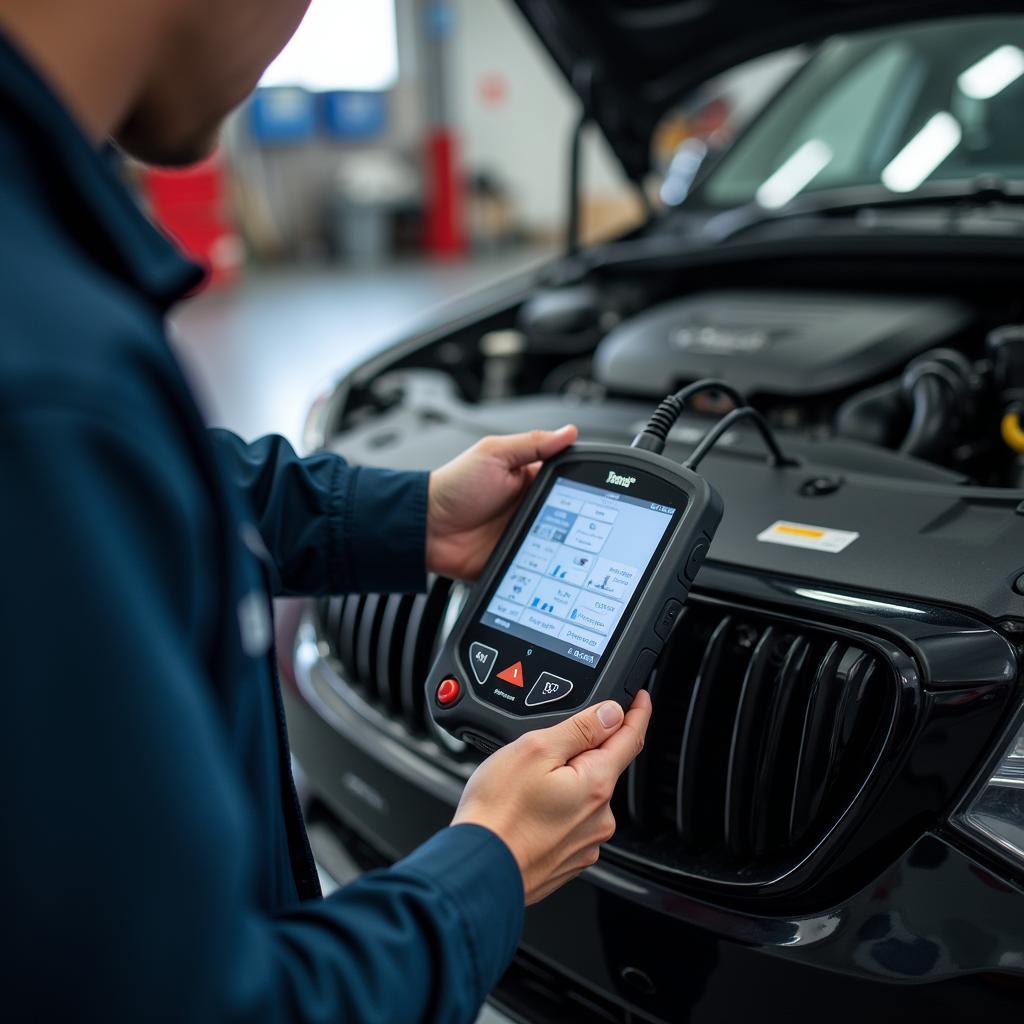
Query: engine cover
<point>789,344</point>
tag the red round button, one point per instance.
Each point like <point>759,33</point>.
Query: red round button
<point>448,692</point>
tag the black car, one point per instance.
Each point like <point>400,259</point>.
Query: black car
<point>828,820</point>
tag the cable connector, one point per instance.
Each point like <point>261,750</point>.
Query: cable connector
<point>655,434</point>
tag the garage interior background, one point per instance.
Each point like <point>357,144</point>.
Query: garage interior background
<point>399,154</point>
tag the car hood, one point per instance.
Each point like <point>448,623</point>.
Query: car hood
<point>629,60</point>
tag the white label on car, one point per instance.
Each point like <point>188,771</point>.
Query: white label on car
<point>803,535</point>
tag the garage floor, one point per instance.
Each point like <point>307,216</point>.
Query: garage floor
<point>260,353</point>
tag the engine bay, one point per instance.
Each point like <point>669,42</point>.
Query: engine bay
<point>899,402</point>
<point>926,378</point>
<point>922,376</point>
<point>795,345</point>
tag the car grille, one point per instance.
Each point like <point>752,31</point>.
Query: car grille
<point>767,728</point>
<point>383,646</point>
<point>766,731</point>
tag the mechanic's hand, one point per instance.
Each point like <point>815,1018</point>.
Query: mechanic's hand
<point>547,794</point>
<point>472,498</point>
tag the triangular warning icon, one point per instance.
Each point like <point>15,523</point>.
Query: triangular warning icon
<point>513,674</point>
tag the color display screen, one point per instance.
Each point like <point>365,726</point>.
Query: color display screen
<point>571,580</point>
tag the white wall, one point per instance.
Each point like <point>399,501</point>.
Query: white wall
<point>524,140</point>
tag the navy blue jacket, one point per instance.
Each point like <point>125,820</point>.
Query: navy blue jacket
<point>154,865</point>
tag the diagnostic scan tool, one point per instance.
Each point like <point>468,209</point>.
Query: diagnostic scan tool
<point>580,595</point>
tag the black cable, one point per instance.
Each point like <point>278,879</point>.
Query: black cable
<point>654,435</point>
<point>715,434</point>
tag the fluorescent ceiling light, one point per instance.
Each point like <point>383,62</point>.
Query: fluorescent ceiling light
<point>992,74</point>
<point>923,153</point>
<point>795,174</point>
<point>340,45</point>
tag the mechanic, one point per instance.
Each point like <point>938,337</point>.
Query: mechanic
<point>155,865</point>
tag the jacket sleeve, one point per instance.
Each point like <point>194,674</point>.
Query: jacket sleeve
<point>130,855</point>
<point>329,527</point>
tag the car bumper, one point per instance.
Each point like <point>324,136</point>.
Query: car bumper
<point>936,933</point>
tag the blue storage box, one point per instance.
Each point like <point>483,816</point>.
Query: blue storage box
<point>354,116</point>
<point>282,115</point>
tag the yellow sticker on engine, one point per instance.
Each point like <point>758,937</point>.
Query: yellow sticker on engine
<point>803,535</point>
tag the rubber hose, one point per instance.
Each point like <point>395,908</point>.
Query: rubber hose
<point>930,420</point>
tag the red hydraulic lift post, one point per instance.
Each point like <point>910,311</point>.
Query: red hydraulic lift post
<point>445,234</point>
<point>192,206</point>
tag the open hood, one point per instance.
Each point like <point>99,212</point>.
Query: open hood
<point>629,60</point>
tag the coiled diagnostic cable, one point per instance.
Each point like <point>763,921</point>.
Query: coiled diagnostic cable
<point>655,434</point>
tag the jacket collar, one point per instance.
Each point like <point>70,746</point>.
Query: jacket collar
<point>81,186</point>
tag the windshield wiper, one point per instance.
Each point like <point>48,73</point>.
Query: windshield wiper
<point>968,192</point>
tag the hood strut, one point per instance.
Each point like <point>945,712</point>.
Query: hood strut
<point>583,83</point>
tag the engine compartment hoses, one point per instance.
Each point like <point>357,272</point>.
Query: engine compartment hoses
<point>949,357</point>
<point>938,389</point>
<point>1011,430</point>
<point>929,428</point>
<point>941,371</point>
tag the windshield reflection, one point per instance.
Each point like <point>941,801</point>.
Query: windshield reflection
<point>894,109</point>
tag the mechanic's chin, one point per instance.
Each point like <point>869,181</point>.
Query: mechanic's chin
<point>152,145</point>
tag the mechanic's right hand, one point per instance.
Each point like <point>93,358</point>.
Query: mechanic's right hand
<point>547,794</point>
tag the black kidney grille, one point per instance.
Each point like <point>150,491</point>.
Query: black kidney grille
<point>764,730</point>
<point>384,644</point>
<point>763,734</point>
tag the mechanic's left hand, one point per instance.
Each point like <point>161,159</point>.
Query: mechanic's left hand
<point>472,498</point>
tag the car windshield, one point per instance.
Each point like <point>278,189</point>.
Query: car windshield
<point>894,108</point>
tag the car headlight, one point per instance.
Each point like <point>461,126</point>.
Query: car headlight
<point>996,811</point>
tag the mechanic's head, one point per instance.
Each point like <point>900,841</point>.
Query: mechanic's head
<point>159,76</point>
<point>212,54</point>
